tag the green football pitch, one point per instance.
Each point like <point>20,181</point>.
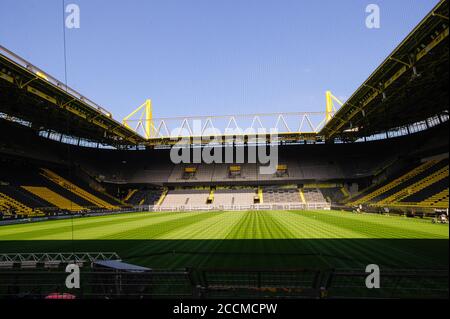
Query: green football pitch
<point>269,239</point>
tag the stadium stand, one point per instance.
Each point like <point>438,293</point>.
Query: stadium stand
<point>274,194</point>
<point>144,196</point>
<point>352,165</point>
<point>53,198</point>
<point>192,197</point>
<point>415,187</point>
<point>42,190</point>
<point>313,196</point>
<point>334,194</point>
<point>21,195</point>
<point>436,196</point>
<point>57,179</point>
<point>11,207</point>
<point>234,197</point>
<point>394,190</point>
<point>191,172</point>
<point>383,154</point>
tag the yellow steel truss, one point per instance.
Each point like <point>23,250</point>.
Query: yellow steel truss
<point>330,108</point>
<point>145,119</point>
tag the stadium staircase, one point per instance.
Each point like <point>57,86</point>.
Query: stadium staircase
<point>162,197</point>
<point>53,198</point>
<point>131,192</point>
<point>261,195</point>
<point>210,199</point>
<point>57,179</point>
<point>302,195</point>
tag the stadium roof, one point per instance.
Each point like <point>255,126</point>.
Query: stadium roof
<point>409,86</point>
<point>120,265</point>
<point>28,93</point>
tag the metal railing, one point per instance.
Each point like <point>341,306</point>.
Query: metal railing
<point>32,260</point>
<point>100,283</point>
<point>54,213</point>
<point>256,207</point>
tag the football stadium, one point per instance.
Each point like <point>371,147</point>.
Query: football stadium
<point>254,205</point>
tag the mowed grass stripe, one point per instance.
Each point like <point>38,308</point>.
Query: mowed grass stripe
<point>393,225</point>
<point>375,227</point>
<point>131,227</point>
<point>216,227</point>
<point>94,231</point>
<point>306,250</point>
<point>235,246</point>
<point>191,236</point>
<point>245,239</point>
<point>151,230</point>
<point>306,225</point>
<point>346,251</point>
<point>317,224</point>
<point>308,233</point>
<point>370,250</point>
<point>23,228</point>
<point>59,229</point>
<point>202,240</point>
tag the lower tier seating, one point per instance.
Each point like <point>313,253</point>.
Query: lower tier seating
<point>313,195</point>
<point>53,198</point>
<point>236,197</point>
<point>273,194</point>
<point>177,198</point>
<point>28,190</point>
<point>11,207</point>
<point>144,196</point>
<point>425,185</point>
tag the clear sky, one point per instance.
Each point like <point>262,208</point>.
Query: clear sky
<point>209,57</point>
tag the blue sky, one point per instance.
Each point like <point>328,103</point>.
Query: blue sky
<point>209,57</point>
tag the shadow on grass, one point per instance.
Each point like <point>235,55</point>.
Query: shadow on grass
<point>257,254</point>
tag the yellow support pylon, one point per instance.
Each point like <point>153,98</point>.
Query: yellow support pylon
<point>145,120</point>
<point>330,109</point>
